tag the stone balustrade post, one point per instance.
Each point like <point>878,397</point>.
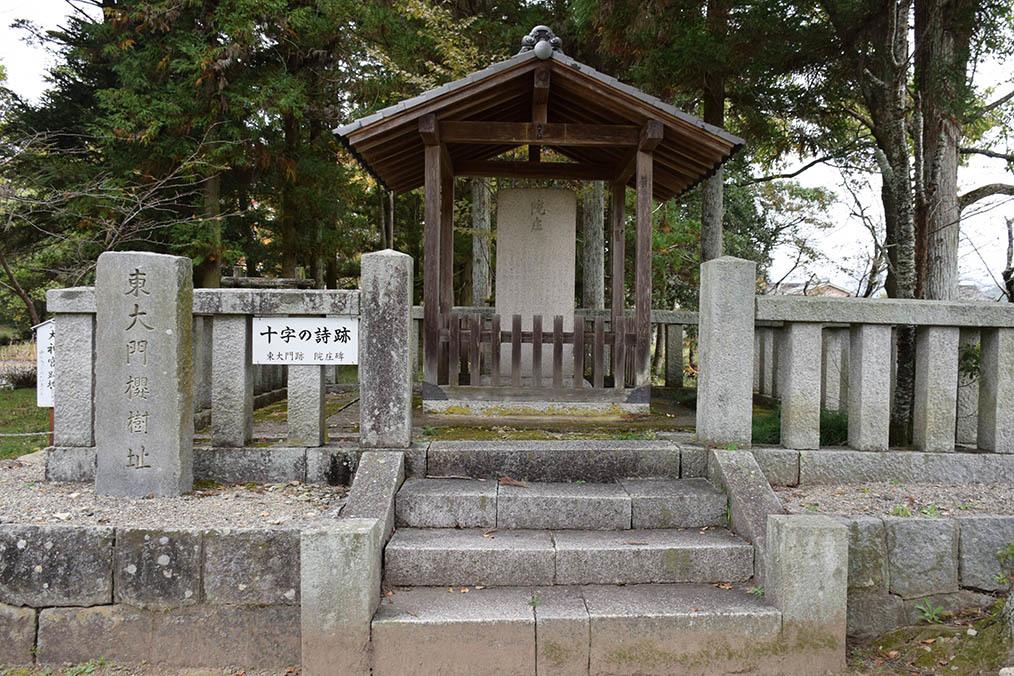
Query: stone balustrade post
<point>385,350</point>
<point>834,369</point>
<point>966,424</point>
<point>674,355</point>
<point>996,391</point>
<point>936,388</point>
<point>725,338</point>
<point>231,381</point>
<point>869,387</point>
<point>74,380</point>
<point>306,404</point>
<point>801,385</point>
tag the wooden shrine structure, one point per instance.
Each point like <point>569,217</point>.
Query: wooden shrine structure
<point>607,131</point>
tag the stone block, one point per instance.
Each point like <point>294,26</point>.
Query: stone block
<point>375,487</point>
<point>385,351</point>
<point>415,459</point>
<point>751,499</point>
<point>202,362</point>
<point>594,461</point>
<point>873,613</point>
<point>144,416</point>
<point>18,625</point>
<point>74,299</point>
<point>980,538</point>
<point>69,463</point>
<point>650,556</point>
<point>950,602</point>
<point>231,380</point>
<point>966,426</point>
<point>869,387</point>
<point>331,465</point>
<point>844,467</point>
<point>834,370</point>
<point>725,339</point>
<point>996,391</point>
<point>563,505</point>
<point>56,565</point>
<point>253,566</point>
<point>121,634</point>
<point>74,380</point>
<point>674,355</point>
<point>561,631</point>
<point>239,465</point>
<point>157,568</point>
<point>688,503</point>
<point>428,632</point>
<point>340,570</point>
<point>936,388</point>
<point>800,395</point>
<point>867,553</point>
<point>306,425</point>
<point>447,503</point>
<point>678,630</point>
<point>276,302</point>
<point>434,557</point>
<point>922,556</point>
<point>779,465</point>
<point>262,637</point>
<point>693,461</point>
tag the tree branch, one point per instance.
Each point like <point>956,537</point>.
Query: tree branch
<point>980,193</point>
<point>988,153</point>
<point>793,174</point>
<point>999,102</point>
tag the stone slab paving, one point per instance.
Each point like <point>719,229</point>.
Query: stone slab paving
<point>447,503</point>
<point>647,556</point>
<point>425,632</point>
<point>441,556</point>
<point>563,505</point>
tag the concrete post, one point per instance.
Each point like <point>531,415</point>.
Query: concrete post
<point>770,361</point>
<point>74,380</point>
<point>807,579</point>
<point>202,362</point>
<point>231,381</point>
<point>674,355</point>
<point>801,380</point>
<point>966,423</point>
<point>996,391</point>
<point>834,370</point>
<point>757,360</point>
<point>385,351</point>
<point>936,388</point>
<point>869,387</point>
<point>144,413</point>
<point>725,337</point>
<point>306,405</point>
<point>339,570</point>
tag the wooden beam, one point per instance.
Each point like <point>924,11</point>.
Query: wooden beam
<point>642,317</point>
<point>651,135</point>
<point>550,133</point>
<point>564,170</point>
<point>429,130</point>
<point>540,108</point>
<point>431,267</point>
<point>627,167</point>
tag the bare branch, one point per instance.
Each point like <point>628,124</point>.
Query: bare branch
<point>988,153</point>
<point>981,193</point>
<point>792,174</point>
<point>999,102</point>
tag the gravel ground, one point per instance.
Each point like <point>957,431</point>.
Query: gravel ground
<point>889,499</point>
<point>25,497</point>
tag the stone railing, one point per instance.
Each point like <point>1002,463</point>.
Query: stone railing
<point>226,383</point>
<point>838,352</point>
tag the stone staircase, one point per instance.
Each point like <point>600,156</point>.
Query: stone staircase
<point>532,575</point>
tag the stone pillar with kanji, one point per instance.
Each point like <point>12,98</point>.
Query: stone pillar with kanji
<point>144,424</point>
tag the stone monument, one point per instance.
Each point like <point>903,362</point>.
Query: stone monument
<point>144,423</point>
<point>535,260</point>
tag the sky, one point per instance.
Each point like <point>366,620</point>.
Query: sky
<point>982,254</point>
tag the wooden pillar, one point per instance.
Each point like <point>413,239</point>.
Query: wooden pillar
<point>618,217</point>
<point>431,248</point>
<point>446,250</point>
<point>651,134</point>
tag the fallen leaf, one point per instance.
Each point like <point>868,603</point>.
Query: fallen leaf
<point>723,585</point>
<point>943,663</point>
<point>893,653</point>
<point>507,481</point>
<point>479,586</point>
<point>389,593</point>
<point>488,533</point>
<point>464,590</point>
<point>930,641</point>
<point>411,613</point>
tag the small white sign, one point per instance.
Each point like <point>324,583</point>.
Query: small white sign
<point>306,340</point>
<point>45,360</point>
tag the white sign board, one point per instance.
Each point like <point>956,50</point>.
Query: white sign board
<point>45,360</point>
<point>306,340</point>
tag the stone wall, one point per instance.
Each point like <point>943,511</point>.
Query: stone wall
<point>898,563</point>
<point>178,598</point>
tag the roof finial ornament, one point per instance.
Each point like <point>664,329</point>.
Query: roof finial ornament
<point>542,41</point>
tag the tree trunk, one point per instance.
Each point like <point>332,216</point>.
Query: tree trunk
<point>480,241</point>
<point>208,274</point>
<point>33,314</point>
<point>287,217</point>
<point>593,214</point>
<point>712,196</point>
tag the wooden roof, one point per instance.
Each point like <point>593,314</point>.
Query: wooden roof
<point>597,121</point>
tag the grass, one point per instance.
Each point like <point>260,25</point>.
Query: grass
<point>18,351</point>
<point>18,413</point>
<point>767,427</point>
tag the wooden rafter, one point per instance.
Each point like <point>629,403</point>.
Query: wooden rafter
<point>552,134</point>
<point>562,170</point>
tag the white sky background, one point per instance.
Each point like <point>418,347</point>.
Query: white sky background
<point>983,226</point>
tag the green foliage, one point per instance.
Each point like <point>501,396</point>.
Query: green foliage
<point>930,511</point>
<point>19,414</point>
<point>767,427</point>
<point>929,613</point>
<point>969,361</point>
<point>901,510</point>
<point>756,591</point>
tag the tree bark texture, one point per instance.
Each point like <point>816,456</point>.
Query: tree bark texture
<point>712,207</point>
<point>208,273</point>
<point>481,289</point>
<point>593,216</point>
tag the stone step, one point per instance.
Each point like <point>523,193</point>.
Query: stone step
<point>591,460</point>
<point>637,629</point>
<point>628,503</point>
<point>475,556</point>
